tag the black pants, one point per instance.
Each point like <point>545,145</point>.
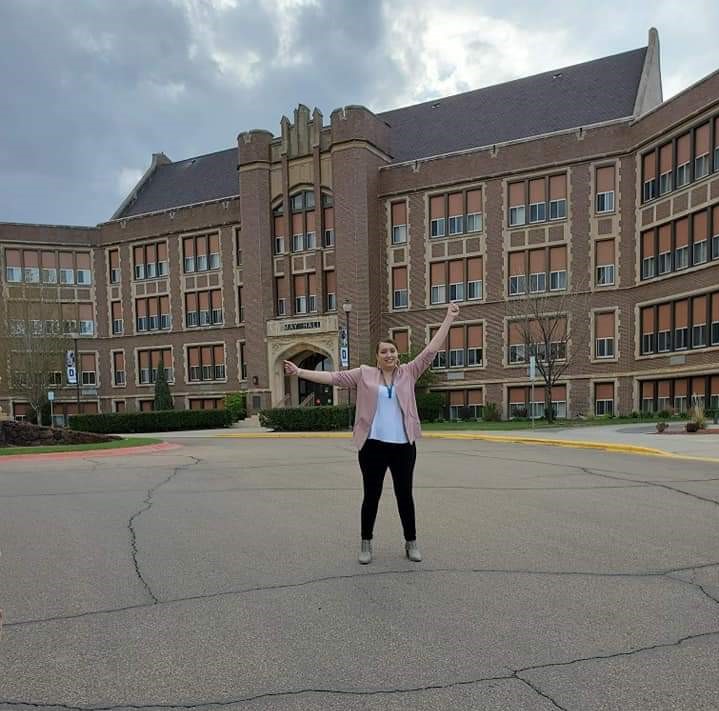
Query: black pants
<point>374,458</point>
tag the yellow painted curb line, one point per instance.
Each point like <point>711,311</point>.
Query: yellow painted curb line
<point>577,444</point>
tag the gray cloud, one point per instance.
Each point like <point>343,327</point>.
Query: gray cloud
<point>90,89</point>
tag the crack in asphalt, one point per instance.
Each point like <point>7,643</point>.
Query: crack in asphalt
<point>538,691</point>
<point>133,536</point>
<point>594,472</point>
<point>376,692</point>
<point>363,575</point>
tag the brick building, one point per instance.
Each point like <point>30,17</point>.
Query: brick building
<point>580,180</point>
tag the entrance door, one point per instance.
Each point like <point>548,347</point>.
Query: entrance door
<point>321,394</point>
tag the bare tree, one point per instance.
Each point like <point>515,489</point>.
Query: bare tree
<point>549,326</point>
<point>32,347</point>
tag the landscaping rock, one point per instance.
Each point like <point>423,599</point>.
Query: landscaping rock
<point>25,434</point>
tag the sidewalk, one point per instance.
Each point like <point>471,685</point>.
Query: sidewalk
<point>640,438</point>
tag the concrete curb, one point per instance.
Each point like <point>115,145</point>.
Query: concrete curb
<point>506,439</point>
<point>142,449</point>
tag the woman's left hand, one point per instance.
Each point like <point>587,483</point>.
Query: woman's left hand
<point>452,311</point>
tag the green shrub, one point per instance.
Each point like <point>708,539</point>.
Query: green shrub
<point>163,398</point>
<point>156,421</point>
<point>307,419</point>
<point>236,406</point>
<point>664,414</point>
<point>491,413</point>
<point>430,406</point>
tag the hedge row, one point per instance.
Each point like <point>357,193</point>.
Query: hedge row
<point>156,421</point>
<point>307,419</point>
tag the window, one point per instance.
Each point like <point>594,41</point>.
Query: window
<point>474,222</point>
<point>517,284</point>
<point>557,197</point>
<point>664,341</point>
<point>399,222</point>
<point>331,290</point>
<point>114,257</point>
<point>149,361</point>
<point>665,183</point>
<point>649,176</point>
<point>13,266</point>
<point>648,267</point>
<point>88,369</point>
<point>117,320</point>
<point>203,308</point>
<point>243,362</point>
<point>438,294</point>
<point>206,362</point>
<point>282,307</point>
<point>437,227</point>
<point>465,343</point>
<point>87,321</point>
<point>328,216</point>
<point>537,282</point>
<point>118,367</point>
<point>665,262</point>
<point>604,406</point>
<point>456,224</point>
<point>300,304</point>
<point>150,260</point>
<point>298,242</point>
<point>201,253</point>
<point>516,215</point>
<point>310,241</point>
<point>537,212</point>
<point>400,298</point>
<point>681,258</point>
<point>516,353</point>
<point>152,313</point>
<point>83,275</point>
<point>557,281</point>
<point>702,159</point>
<point>604,324</point>
<point>700,252</point>
<point>605,202</point>
<point>279,245</point>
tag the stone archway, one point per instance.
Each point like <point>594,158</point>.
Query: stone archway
<point>311,393</point>
<point>289,392</point>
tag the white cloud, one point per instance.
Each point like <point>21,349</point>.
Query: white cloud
<point>126,179</point>
<point>445,48</point>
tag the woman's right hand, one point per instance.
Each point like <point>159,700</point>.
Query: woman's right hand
<point>291,368</point>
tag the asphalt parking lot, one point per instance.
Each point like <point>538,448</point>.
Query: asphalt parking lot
<point>223,574</point>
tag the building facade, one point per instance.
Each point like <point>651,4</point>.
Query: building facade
<point>580,187</point>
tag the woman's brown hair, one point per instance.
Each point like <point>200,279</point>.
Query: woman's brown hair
<point>385,340</point>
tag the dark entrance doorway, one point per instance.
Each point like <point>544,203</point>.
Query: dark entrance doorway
<point>320,394</point>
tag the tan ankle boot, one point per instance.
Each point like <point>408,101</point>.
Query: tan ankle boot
<point>365,555</point>
<point>412,552</point>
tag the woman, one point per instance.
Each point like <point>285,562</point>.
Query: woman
<point>386,427</point>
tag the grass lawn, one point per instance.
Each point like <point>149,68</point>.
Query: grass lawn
<point>538,424</point>
<point>115,444</point>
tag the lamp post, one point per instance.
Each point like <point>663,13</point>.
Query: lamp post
<point>347,308</point>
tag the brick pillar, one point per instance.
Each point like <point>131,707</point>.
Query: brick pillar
<point>254,163</point>
<point>360,144</point>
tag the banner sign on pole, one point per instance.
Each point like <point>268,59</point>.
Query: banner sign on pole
<point>70,368</point>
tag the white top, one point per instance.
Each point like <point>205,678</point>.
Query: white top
<point>388,423</point>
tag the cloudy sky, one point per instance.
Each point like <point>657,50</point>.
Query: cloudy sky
<point>91,88</point>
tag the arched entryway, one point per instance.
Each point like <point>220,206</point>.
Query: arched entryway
<point>310,393</point>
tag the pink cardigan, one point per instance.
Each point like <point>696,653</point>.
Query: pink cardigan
<point>367,380</point>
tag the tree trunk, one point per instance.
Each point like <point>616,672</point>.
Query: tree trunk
<point>548,413</point>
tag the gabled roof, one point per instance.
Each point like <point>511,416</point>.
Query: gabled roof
<point>185,182</point>
<point>580,95</point>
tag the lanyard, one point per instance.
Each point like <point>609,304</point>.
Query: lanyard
<point>389,387</point>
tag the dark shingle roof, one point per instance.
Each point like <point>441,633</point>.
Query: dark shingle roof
<point>187,182</point>
<point>579,95</point>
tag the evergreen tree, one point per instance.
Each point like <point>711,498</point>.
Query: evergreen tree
<point>163,399</point>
